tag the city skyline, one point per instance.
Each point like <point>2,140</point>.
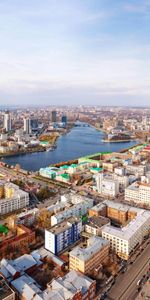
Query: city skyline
<point>63,52</point>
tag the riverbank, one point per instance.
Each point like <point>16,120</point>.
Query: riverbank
<point>117,141</point>
<point>5,155</point>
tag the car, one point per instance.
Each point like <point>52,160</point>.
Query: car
<point>103,296</point>
<point>139,281</point>
<point>124,270</point>
<point>139,289</point>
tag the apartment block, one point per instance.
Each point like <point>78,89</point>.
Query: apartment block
<point>62,235</point>
<point>107,186</point>
<point>87,260</point>
<point>125,238</point>
<point>138,193</point>
<point>136,169</point>
<point>76,210</point>
<point>12,197</point>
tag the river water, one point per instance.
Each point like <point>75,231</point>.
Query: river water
<point>80,141</point>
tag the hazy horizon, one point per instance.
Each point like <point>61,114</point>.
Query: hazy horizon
<point>75,52</point>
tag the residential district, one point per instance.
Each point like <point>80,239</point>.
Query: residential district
<point>76,230</point>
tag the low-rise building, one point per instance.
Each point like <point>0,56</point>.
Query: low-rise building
<point>94,225</point>
<point>62,235</point>
<point>6,293</point>
<point>74,285</point>
<point>87,260</point>
<point>18,238</point>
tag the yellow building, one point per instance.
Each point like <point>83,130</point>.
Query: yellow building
<point>8,191</point>
<point>87,260</point>
<point>1,190</point>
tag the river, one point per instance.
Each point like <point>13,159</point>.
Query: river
<point>80,141</point>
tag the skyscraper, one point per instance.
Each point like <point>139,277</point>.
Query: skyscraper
<point>54,116</point>
<point>7,121</point>
<point>27,125</point>
<point>34,124</point>
<point>64,119</point>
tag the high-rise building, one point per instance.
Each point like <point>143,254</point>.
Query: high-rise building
<point>60,236</point>
<point>64,119</point>
<point>27,125</point>
<point>7,121</point>
<point>54,116</point>
<point>34,124</point>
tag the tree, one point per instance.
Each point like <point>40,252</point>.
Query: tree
<point>44,219</point>
<point>11,222</point>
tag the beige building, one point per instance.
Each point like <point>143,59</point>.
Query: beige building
<point>139,193</point>
<point>87,260</point>
<point>12,197</point>
<point>124,239</point>
<point>95,224</point>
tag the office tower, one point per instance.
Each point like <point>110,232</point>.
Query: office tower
<point>34,124</point>
<point>54,116</point>
<point>7,121</point>
<point>64,119</point>
<point>27,125</point>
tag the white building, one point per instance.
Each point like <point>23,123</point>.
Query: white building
<point>138,170</point>
<point>123,240</point>
<point>107,186</point>
<point>27,125</point>
<point>62,235</point>
<point>74,285</point>
<point>139,193</point>
<point>119,171</point>
<point>3,137</point>
<point>75,210</point>
<point>7,121</point>
<point>12,198</point>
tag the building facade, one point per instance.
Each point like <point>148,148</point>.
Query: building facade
<point>106,186</point>
<point>7,121</point>
<point>76,210</point>
<point>12,198</point>
<point>87,260</point>
<point>138,193</point>
<point>63,235</point>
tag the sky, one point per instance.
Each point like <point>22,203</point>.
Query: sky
<point>56,52</point>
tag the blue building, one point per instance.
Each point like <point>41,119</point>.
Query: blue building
<point>64,119</point>
<point>63,235</point>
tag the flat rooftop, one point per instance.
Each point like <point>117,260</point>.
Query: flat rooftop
<point>63,226</point>
<point>97,222</point>
<point>95,244</point>
<point>131,228</point>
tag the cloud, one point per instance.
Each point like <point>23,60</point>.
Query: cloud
<point>73,49</point>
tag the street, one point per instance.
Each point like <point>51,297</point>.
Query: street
<point>126,284</point>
